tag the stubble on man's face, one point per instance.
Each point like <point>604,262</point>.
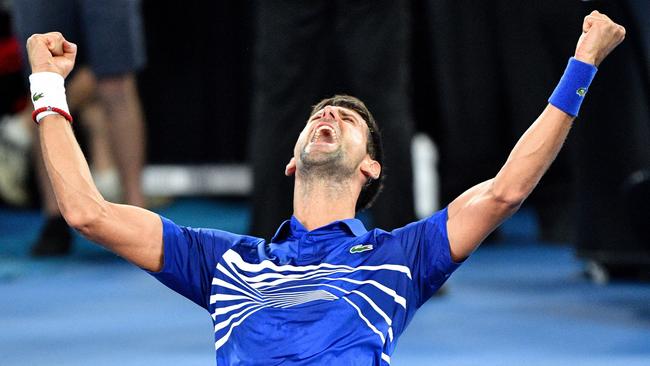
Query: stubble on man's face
<point>324,165</point>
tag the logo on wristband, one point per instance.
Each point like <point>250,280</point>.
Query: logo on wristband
<point>37,96</point>
<point>581,92</point>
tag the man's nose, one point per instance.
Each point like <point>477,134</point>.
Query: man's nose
<point>329,112</point>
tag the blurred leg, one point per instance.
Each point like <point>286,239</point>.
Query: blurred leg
<point>553,23</point>
<point>611,138</point>
<point>290,65</point>
<point>374,37</point>
<point>94,119</point>
<point>114,41</point>
<point>102,163</point>
<point>119,97</point>
<point>471,142</point>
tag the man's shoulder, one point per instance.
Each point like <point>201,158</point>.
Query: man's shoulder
<point>437,220</point>
<point>203,234</point>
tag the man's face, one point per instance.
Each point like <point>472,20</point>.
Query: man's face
<point>334,139</point>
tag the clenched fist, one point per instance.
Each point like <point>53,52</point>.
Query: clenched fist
<point>51,52</point>
<point>600,35</point>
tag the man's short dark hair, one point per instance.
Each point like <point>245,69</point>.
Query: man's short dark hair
<point>374,147</point>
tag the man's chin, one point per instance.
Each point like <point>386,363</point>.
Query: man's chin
<point>318,159</point>
<point>318,155</point>
<point>324,147</point>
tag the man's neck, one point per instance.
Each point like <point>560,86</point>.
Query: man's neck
<point>318,202</point>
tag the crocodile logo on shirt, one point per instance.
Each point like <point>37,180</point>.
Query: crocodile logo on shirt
<point>581,92</point>
<point>361,248</point>
<point>37,96</point>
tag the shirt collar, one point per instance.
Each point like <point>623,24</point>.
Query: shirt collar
<point>295,228</point>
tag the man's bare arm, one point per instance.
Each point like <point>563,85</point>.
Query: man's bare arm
<point>478,211</point>
<point>131,232</point>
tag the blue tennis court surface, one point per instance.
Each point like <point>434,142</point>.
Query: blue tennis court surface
<point>515,303</point>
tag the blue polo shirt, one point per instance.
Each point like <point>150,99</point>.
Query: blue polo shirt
<point>337,295</point>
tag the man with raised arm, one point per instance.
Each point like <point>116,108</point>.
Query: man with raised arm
<point>323,290</point>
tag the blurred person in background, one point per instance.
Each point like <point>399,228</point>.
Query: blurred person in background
<point>307,50</point>
<point>516,50</point>
<point>612,166</point>
<point>103,90</point>
<point>15,137</point>
<point>483,101</point>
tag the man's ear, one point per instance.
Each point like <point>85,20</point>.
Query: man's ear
<point>371,168</point>
<point>291,168</point>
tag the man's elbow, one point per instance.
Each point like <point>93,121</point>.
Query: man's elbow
<point>84,219</point>
<point>509,199</point>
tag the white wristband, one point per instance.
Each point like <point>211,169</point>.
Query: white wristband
<point>47,90</point>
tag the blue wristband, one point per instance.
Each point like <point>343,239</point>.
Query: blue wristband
<point>573,86</point>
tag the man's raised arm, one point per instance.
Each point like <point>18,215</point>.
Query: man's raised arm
<point>478,211</point>
<point>131,232</point>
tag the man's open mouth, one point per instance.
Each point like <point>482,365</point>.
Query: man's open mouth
<point>324,134</point>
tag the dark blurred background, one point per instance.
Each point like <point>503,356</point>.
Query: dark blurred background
<point>199,69</point>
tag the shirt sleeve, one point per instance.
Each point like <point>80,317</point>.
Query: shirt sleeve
<point>426,246</point>
<point>190,256</point>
